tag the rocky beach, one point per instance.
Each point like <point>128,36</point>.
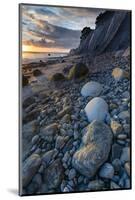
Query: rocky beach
<point>76,114</point>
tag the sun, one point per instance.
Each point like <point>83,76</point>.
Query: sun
<point>25,48</point>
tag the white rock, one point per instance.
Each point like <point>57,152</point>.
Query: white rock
<point>96,109</point>
<point>92,89</point>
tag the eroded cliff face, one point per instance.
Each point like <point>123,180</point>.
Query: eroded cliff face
<point>112,33</point>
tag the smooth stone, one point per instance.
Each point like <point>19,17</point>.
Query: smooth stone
<point>106,171</point>
<point>66,189</point>
<point>31,115</point>
<point>35,139</point>
<point>63,184</point>
<point>29,130</point>
<point>60,142</point>
<point>113,185</point>
<point>96,185</point>
<point>80,179</point>
<point>30,167</point>
<point>66,118</point>
<point>126,128</point>
<point>48,157</point>
<point>71,183</point>
<point>126,94</point>
<point>96,109</point>
<point>71,174</point>
<point>118,74</point>
<point>92,89</point>
<point>115,178</point>
<point>117,165</point>
<point>66,157</point>
<point>127,183</point>
<point>94,149</point>
<point>28,101</point>
<point>38,180</point>
<point>49,132</point>
<point>116,151</point>
<point>66,110</point>
<point>122,136</point>
<point>53,175</point>
<point>125,155</point>
<point>127,168</point>
<point>116,127</point>
<point>124,115</point>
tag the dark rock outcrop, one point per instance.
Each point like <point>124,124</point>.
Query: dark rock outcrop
<point>112,33</point>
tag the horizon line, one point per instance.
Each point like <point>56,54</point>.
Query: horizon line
<point>42,52</point>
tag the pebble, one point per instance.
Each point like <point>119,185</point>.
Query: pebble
<point>66,189</point>
<point>117,165</point>
<point>126,128</point>
<point>122,136</point>
<point>106,171</point>
<point>125,156</point>
<point>127,183</point>
<point>116,127</point>
<point>66,157</point>
<point>60,141</point>
<point>127,168</point>
<point>71,183</point>
<point>80,179</point>
<point>116,151</point>
<point>124,115</point>
<point>113,185</point>
<point>115,178</point>
<point>121,142</point>
<point>96,185</point>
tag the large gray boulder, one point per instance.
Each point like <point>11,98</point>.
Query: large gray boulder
<point>94,149</point>
<point>96,109</point>
<point>92,89</point>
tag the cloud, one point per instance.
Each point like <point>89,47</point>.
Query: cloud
<point>56,27</point>
<point>53,36</point>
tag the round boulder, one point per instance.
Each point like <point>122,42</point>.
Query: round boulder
<point>94,149</point>
<point>25,81</point>
<point>96,109</point>
<point>119,74</point>
<point>78,71</point>
<point>37,72</point>
<point>58,77</point>
<point>92,89</point>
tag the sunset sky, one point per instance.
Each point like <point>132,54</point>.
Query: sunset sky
<point>54,29</point>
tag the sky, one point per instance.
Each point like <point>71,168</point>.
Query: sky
<point>54,29</point>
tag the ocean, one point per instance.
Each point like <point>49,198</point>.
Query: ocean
<point>37,56</point>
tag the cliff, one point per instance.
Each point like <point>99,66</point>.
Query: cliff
<point>112,33</point>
